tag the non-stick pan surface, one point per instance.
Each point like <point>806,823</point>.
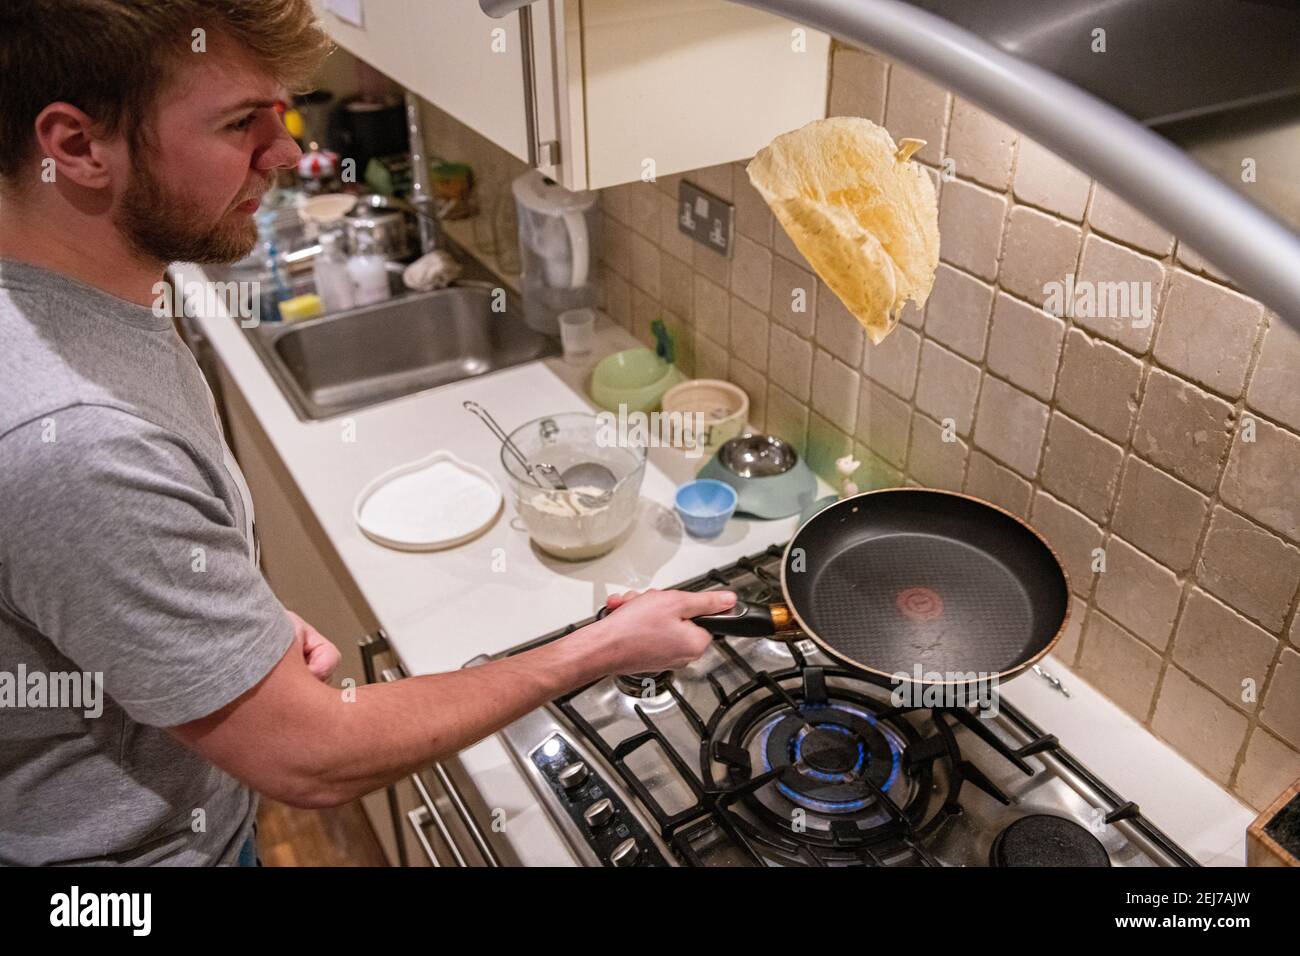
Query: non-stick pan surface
<point>904,580</point>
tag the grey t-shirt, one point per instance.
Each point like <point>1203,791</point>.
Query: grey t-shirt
<point>126,551</point>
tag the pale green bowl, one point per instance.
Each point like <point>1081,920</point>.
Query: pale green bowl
<point>636,378</point>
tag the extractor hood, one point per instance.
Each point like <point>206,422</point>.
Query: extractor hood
<point>1184,94</point>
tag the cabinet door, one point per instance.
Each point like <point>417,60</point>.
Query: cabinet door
<point>686,84</point>
<point>450,53</point>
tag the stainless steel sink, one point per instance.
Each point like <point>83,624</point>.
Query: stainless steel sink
<point>339,363</point>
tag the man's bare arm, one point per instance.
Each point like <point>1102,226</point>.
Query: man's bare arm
<point>300,741</point>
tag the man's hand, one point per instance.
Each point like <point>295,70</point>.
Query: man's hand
<point>321,656</point>
<point>652,631</point>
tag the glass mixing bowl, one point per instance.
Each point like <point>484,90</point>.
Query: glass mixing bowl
<point>574,525</point>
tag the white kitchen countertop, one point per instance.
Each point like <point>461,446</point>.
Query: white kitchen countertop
<point>442,608</point>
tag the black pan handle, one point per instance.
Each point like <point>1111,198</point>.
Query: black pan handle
<point>743,620</point>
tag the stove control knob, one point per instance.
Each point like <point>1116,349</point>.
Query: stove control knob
<point>573,775</point>
<point>599,813</point>
<point>626,853</point>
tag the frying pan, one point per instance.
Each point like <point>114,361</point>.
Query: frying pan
<point>914,586</point>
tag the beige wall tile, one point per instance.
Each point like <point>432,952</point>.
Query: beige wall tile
<point>1067,648</point>
<point>616,246</point>
<point>754,384</point>
<point>835,391</point>
<point>1193,261</point>
<point>1113,217</point>
<point>1037,249</point>
<point>1198,312</point>
<point>917,107</point>
<point>711,265</point>
<point>1139,593</point>
<point>782,246</point>
<point>986,479</point>
<point>947,386</point>
<point>1073,536</point>
<point>1045,180</point>
<point>787,417</point>
<point>1118,664</point>
<point>1081,467</point>
<point>1263,478</point>
<point>677,286</point>
<point>751,273</point>
<point>931,459</point>
<point>826,443</point>
<point>644,200</point>
<point>1011,425</point>
<point>1269,768</point>
<point>1275,383</point>
<point>1222,650</point>
<point>957,312</point>
<point>645,265</point>
<point>875,472</point>
<point>970,223</point>
<point>1127,291</point>
<point>711,358</point>
<point>645,309</point>
<point>893,362</point>
<point>712,310</point>
<point>714,179</point>
<point>1199,724</point>
<point>1025,345</point>
<point>883,424</point>
<point>616,201</point>
<point>1254,571</point>
<point>671,239</point>
<point>1098,384</point>
<point>1183,429</point>
<point>794,297</point>
<point>753,216</point>
<point>617,296</point>
<point>1282,698</point>
<point>981,146</point>
<point>789,362</point>
<point>1159,514</point>
<point>748,334</point>
<point>837,331</point>
<point>858,82</point>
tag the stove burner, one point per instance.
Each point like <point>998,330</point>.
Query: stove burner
<point>1045,840</point>
<point>833,752</point>
<point>644,685</point>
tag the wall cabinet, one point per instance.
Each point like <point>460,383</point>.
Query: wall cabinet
<point>623,87</point>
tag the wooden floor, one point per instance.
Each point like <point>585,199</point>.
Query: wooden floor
<point>338,836</point>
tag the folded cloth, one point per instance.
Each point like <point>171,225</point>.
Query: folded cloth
<point>431,271</point>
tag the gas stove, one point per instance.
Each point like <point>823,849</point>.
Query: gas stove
<point>765,753</point>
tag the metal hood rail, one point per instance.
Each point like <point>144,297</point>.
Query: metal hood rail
<point>1211,75</point>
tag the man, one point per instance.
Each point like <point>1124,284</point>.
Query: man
<point>134,134</point>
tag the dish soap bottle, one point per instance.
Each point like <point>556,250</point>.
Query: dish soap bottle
<point>368,272</point>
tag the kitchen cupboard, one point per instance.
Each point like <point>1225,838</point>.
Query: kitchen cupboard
<point>307,578</point>
<point>623,87</point>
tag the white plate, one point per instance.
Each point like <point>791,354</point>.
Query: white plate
<point>436,502</point>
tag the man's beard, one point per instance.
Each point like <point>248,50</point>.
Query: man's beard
<point>169,226</point>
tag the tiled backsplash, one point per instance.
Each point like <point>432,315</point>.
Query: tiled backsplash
<point>1160,446</point>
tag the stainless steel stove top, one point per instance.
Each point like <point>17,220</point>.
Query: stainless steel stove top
<point>763,753</point>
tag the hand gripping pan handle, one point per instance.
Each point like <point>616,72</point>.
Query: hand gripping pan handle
<point>745,619</point>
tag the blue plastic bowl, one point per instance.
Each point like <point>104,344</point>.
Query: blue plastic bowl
<point>705,506</point>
